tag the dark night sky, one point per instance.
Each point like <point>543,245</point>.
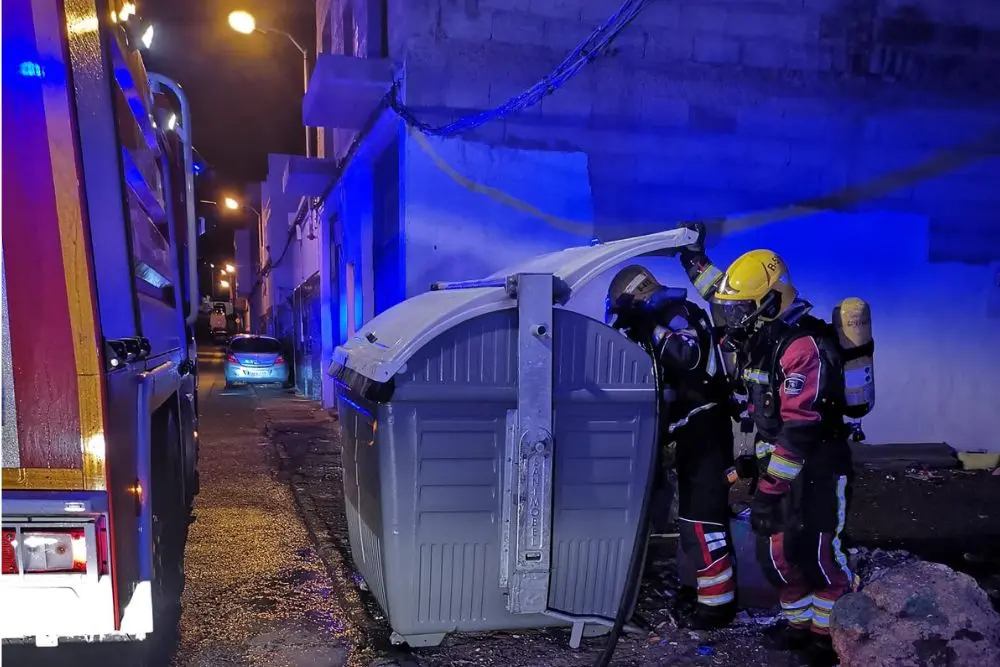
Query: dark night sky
<point>245,91</point>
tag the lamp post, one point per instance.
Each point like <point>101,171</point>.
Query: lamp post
<point>234,205</point>
<point>245,23</point>
<point>225,284</point>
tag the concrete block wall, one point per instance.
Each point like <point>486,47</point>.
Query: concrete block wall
<point>714,107</point>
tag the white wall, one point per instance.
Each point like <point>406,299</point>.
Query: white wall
<point>276,207</point>
<point>455,233</point>
<point>305,251</point>
<point>937,350</point>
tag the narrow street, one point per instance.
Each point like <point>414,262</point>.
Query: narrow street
<point>257,591</point>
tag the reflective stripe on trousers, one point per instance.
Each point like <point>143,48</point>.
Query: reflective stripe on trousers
<point>715,583</point>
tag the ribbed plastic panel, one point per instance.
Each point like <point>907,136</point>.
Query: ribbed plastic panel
<point>371,547</point>
<point>484,356</point>
<point>430,485</point>
<point>452,584</point>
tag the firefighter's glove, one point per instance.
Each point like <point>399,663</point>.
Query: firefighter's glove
<point>766,513</point>
<point>699,245</point>
<point>734,340</point>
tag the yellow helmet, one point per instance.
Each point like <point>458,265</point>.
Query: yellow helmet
<point>756,287</point>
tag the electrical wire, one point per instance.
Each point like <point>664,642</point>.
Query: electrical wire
<point>592,47</point>
<point>596,44</point>
<point>269,266</point>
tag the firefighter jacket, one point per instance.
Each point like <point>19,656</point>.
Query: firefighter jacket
<point>684,349</point>
<point>793,376</point>
<point>792,372</point>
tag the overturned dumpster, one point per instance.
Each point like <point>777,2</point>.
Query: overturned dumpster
<point>496,449</point>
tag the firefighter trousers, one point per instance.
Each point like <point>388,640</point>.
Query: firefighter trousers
<point>806,562</point>
<point>704,463</point>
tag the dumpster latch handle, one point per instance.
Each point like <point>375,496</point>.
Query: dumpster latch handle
<point>528,477</point>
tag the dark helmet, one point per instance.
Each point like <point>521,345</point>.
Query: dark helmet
<point>631,284</point>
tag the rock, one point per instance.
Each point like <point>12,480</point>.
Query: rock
<point>917,614</point>
<point>870,564</point>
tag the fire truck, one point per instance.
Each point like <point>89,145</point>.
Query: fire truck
<point>99,298</point>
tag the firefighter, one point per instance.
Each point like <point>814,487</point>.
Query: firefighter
<point>698,422</point>
<point>792,371</point>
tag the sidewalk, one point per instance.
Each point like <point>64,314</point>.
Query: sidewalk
<point>257,593</point>
<point>305,439</point>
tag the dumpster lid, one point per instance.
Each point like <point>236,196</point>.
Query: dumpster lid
<point>386,343</point>
<point>575,267</point>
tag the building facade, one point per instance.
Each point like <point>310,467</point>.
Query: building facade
<point>859,138</point>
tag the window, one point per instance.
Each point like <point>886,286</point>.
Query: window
<point>378,29</point>
<point>255,345</point>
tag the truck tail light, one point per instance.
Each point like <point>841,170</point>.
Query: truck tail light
<point>9,555</point>
<point>279,360</point>
<point>54,550</point>
<point>103,552</point>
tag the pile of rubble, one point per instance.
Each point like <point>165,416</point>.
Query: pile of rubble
<point>869,564</point>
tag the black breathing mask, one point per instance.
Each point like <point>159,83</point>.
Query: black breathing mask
<point>628,311</point>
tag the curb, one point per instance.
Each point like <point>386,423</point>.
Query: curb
<point>340,573</point>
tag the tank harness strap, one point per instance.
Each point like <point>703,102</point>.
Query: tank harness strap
<point>817,329</point>
<point>865,350</point>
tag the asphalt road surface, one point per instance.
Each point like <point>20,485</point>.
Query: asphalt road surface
<point>257,593</point>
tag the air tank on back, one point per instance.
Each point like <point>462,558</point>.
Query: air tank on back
<point>852,319</point>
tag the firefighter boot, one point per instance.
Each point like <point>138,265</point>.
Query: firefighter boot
<point>708,617</point>
<point>785,636</point>
<point>820,652</point>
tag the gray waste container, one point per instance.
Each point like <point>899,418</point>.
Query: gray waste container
<point>496,448</point>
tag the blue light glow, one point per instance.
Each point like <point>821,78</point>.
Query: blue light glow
<point>31,69</point>
<point>343,318</point>
<point>359,310</point>
<point>354,405</point>
<point>147,273</point>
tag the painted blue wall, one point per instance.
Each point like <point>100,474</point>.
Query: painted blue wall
<point>351,202</point>
<point>935,324</point>
<point>935,332</point>
<point>457,232</point>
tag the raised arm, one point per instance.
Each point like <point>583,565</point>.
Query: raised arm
<point>704,275</point>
